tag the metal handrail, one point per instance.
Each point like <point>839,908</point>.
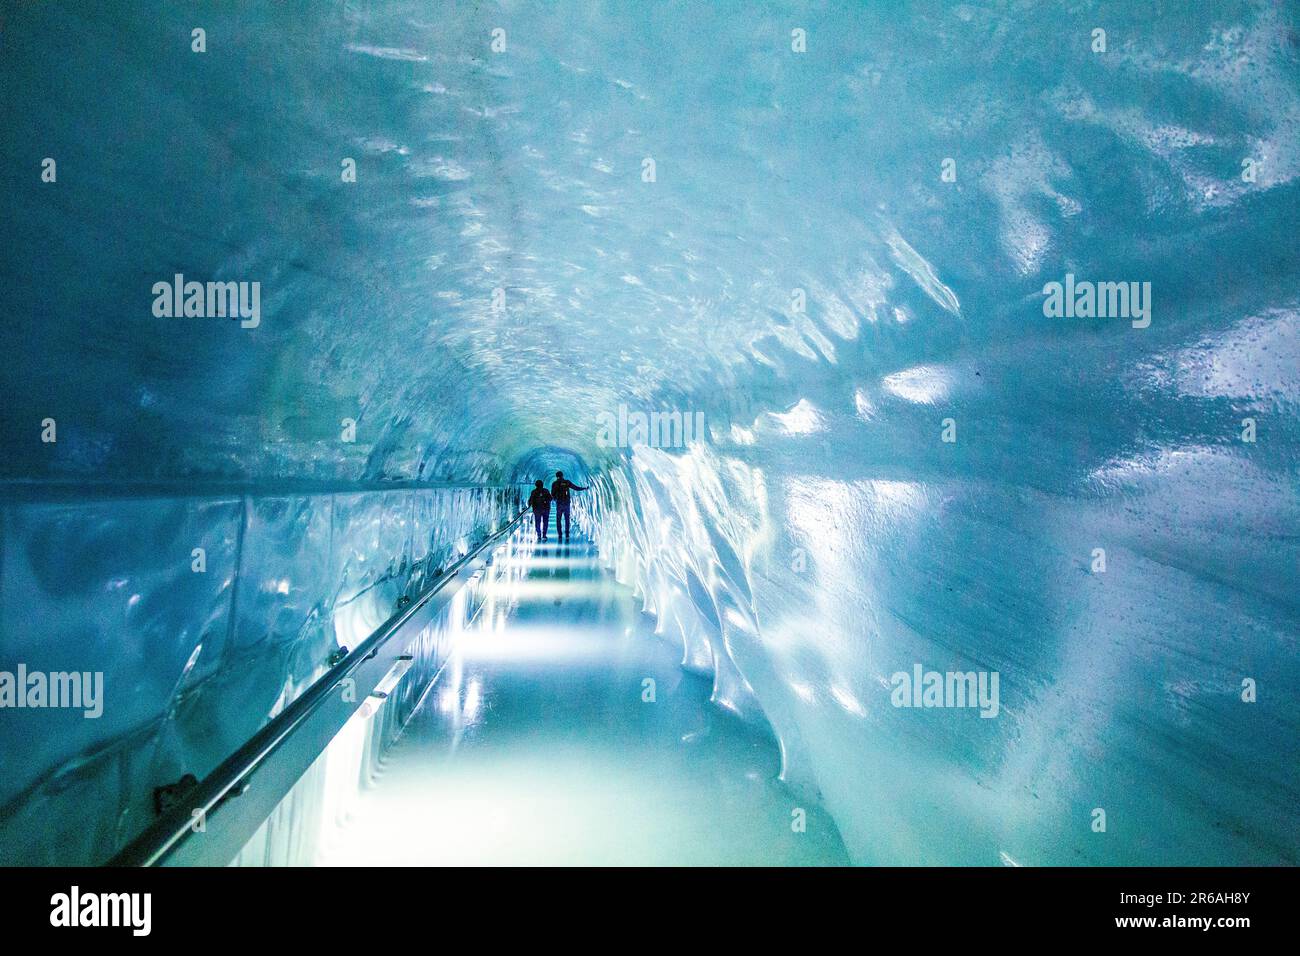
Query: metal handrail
<point>170,830</point>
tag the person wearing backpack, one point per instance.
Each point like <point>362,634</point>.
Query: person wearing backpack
<point>540,502</point>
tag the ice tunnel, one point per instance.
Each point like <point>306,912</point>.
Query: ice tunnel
<point>931,370</point>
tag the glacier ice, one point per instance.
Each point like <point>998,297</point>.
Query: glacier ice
<point>798,269</point>
<point>206,617</point>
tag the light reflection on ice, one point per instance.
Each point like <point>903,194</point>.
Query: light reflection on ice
<point>924,384</point>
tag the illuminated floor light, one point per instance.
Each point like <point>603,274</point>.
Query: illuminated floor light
<point>536,747</point>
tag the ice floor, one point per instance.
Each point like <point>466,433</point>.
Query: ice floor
<point>536,747</point>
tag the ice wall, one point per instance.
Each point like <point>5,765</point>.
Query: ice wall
<point>314,815</point>
<point>827,228</point>
<point>1122,691</point>
<point>204,617</point>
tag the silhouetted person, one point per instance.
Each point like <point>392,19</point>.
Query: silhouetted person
<point>540,502</point>
<point>560,489</point>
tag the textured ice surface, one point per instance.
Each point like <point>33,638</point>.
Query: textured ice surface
<point>775,171</point>
<point>538,747</point>
<point>194,661</point>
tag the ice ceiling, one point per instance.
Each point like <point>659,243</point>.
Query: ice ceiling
<point>501,272</point>
<point>522,171</point>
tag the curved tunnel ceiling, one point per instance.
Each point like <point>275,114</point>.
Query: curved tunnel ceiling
<point>779,178</point>
<point>542,463</point>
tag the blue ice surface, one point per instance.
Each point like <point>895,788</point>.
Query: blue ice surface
<point>562,732</point>
<point>206,617</point>
<point>800,272</point>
